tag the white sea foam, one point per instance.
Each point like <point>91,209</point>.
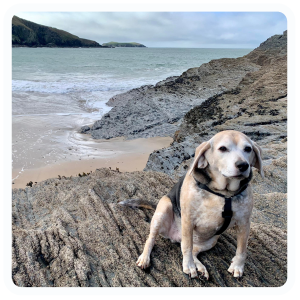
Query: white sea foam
<point>79,85</point>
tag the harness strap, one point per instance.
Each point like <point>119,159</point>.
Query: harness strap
<point>227,215</point>
<point>227,211</point>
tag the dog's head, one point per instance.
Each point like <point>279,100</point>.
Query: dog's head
<point>229,154</point>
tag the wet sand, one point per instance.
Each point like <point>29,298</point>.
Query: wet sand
<point>126,155</point>
<point>45,146</point>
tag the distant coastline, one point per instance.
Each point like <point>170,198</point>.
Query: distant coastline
<point>32,35</point>
<point>122,45</point>
<point>55,46</point>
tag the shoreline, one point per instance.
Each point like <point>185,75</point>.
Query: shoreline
<point>126,155</point>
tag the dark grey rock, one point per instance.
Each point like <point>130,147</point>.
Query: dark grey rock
<point>84,129</point>
<point>157,110</point>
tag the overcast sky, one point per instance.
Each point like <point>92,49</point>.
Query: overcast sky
<point>168,29</point>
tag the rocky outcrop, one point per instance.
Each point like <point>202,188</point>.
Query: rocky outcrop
<point>156,110</point>
<point>73,232</point>
<point>26,33</point>
<point>256,107</point>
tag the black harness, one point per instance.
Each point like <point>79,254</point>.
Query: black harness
<point>227,213</point>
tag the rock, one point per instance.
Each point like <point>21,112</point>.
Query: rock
<point>270,208</point>
<point>84,129</point>
<point>122,99</point>
<point>73,232</point>
<point>157,110</point>
<point>256,107</point>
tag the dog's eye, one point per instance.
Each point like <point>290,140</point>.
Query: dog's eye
<point>223,149</point>
<point>248,149</point>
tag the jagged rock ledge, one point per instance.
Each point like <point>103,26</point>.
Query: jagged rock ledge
<point>157,110</point>
<point>256,107</point>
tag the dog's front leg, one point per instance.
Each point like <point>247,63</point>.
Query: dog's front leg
<point>188,264</point>
<point>237,264</point>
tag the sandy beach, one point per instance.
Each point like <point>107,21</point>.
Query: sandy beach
<point>126,155</point>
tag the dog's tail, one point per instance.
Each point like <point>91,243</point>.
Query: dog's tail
<point>138,203</point>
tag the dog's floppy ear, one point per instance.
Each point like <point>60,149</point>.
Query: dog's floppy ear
<point>257,161</point>
<point>200,160</point>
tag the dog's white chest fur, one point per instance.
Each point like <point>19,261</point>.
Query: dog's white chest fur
<point>206,212</point>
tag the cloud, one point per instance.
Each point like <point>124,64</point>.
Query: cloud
<point>168,29</point>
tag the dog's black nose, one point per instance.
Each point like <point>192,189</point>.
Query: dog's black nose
<point>242,165</point>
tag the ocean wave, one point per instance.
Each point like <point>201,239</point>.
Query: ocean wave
<point>90,85</point>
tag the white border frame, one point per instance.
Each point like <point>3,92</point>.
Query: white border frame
<point>11,8</point>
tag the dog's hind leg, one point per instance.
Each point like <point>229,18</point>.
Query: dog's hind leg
<point>160,224</point>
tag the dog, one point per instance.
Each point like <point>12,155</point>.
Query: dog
<point>194,213</point>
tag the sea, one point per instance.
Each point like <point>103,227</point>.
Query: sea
<point>55,91</point>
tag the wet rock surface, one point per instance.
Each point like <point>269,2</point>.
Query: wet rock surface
<point>157,110</point>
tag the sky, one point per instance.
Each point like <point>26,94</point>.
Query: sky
<point>168,29</point>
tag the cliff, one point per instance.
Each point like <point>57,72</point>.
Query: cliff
<point>26,33</point>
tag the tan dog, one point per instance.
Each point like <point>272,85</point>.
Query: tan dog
<point>222,165</point>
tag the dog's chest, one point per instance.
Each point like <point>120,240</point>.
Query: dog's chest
<point>206,212</point>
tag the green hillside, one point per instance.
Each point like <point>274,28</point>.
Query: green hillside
<point>27,33</point>
<point>117,44</point>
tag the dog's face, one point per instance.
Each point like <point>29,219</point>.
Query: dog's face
<point>230,154</point>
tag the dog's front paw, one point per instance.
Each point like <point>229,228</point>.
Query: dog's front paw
<point>202,272</point>
<point>190,268</point>
<point>237,266</point>
<point>143,261</point>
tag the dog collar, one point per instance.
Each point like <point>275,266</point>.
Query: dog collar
<point>227,211</point>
